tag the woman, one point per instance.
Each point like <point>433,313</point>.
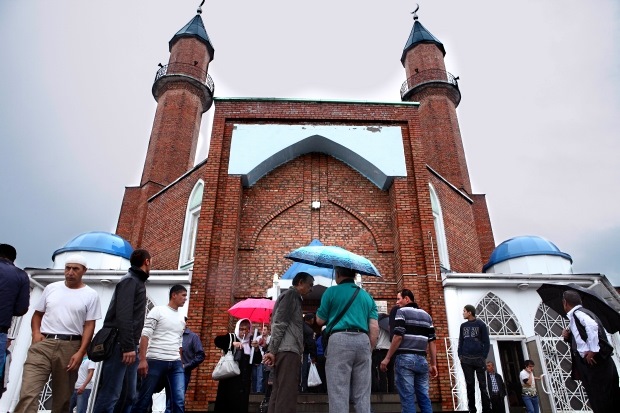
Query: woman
<point>233,394</point>
<point>529,393</point>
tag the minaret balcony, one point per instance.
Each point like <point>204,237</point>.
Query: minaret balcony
<point>184,72</point>
<point>431,78</point>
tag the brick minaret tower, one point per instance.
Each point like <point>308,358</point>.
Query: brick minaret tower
<point>438,93</point>
<point>183,90</point>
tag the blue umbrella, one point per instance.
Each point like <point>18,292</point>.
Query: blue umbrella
<point>330,256</point>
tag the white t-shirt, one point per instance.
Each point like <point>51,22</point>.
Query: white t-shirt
<point>67,309</point>
<point>524,375</point>
<point>83,373</point>
<point>164,327</point>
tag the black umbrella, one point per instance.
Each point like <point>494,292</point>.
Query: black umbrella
<point>551,295</point>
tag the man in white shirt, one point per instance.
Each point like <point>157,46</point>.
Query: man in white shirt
<point>160,352</point>
<point>62,327</point>
<point>83,386</point>
<point>598,374</point>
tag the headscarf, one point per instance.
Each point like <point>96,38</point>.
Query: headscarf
<point>245,341</point>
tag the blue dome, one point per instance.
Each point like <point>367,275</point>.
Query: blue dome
<point>98,241</point>
<point>522,247</point>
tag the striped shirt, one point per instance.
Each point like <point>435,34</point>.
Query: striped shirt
<point>415,326</point>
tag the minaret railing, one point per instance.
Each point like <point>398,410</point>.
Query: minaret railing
<point>428,76</point>
<point>185,69</point>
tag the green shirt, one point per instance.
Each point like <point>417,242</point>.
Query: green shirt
<point>334,300</point>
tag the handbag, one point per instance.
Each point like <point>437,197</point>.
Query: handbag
<point>227,367</point>
<point>313,376</point>
<point>326,333</point>
<point>100,348</point>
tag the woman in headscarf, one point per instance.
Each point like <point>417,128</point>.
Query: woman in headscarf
<point>233,394</point>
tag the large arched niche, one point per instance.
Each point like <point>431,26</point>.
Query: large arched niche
<point>376,152</point>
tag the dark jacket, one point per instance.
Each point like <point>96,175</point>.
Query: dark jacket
<point>14,292</point>
<point>309,343</point>
<point>474,339</point>
<point>128,308</point>
<point>500,385</point>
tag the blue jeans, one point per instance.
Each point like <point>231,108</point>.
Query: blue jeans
<point>305,370</point>
<point>2,353</point>
<point>411,379</point>
<point>173,370</point>
<point>531,404</point>
<point>116,378</point>
<point>80,401</point>
<point>257,378</point>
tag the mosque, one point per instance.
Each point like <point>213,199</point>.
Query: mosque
<point>386,180</point>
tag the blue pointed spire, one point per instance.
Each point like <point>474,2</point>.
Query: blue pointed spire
<point>418,35</point>
<point>195,28</point>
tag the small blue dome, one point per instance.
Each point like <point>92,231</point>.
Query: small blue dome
<point>522,247</point>
<point>98,241</point>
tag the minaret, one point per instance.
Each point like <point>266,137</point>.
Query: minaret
<point>183,90</point>
<point>438,93</point>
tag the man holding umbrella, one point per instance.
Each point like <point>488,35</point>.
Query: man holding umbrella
<point>591,355</point>
<point>352,337</point>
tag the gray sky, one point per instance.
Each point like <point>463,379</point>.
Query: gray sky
<point>540,82</point>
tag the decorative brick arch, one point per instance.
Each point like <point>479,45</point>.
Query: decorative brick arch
<point>382,246</point>
<point>269,217</point>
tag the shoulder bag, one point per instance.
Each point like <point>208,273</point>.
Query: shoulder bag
<point>227,367</point>
<point>605,349</point>
<point>100,348</point>
<point>327,333</point>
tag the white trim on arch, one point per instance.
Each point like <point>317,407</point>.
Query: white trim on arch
<point>440,231</point>
<point>190,228</point>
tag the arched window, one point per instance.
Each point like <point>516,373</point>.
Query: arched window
<point>190,230</point>
<point>498,316</point>
<point>442,245</point>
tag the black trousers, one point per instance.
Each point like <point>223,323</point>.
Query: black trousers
<point>497,403</point>
<point>601,384</point>
<point>476,367</point>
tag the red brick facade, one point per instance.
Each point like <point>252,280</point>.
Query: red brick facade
<point>244,232</point>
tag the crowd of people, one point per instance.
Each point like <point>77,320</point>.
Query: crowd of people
<point>352,354</point>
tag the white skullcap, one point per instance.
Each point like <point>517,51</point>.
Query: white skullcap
<point>76,259</point>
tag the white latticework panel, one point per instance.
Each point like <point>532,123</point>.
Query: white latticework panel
<point>566,394</point>
<point>46,395</point>
<point>459,400</point>
<point>498,316</point>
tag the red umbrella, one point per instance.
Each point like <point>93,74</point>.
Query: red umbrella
<point>257,310</point>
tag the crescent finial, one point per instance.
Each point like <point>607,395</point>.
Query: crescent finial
<point>199,11</point>
<point>415,16</point>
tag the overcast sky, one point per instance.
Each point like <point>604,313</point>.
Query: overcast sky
<point>539,116</point>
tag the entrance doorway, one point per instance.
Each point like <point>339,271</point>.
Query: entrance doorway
<point>510,358</point>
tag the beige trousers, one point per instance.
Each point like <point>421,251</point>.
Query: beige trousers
<point>44,358</point>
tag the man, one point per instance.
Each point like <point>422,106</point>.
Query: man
<point>473,349</point>
<point>14,295</point>
<point>382,381</point>
<point>496,388</point>
<point>193,353</point>
<point>263,370</point>
<point>192,356</point>
<point>160,352</point>
<point>83,386</point>
<point>309,355</point>
<point>352,338</point>
<point>588,341</point>
<point>286,345</point>
<point>414,333</point>
<point>126,313</point>
<point>62,327</point>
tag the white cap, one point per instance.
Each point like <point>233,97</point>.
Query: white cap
<point>76,259</point>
